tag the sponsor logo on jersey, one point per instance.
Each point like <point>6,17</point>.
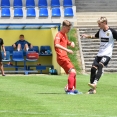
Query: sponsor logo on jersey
<point>104,39</point>
<point>107,34</point>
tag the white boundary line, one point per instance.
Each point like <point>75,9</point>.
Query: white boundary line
<point>47,113</point>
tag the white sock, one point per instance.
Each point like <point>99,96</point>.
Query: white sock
<point>95,82</point>
<point>18,49</point>
<point>27,49</point>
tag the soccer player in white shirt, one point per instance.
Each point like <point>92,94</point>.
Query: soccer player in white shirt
<point>107,37</point>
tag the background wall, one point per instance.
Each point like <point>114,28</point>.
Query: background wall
<point>54,61</point>
<point>35,37</point>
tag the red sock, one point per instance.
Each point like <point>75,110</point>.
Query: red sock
<point>75,82</point>
<point>71,80</point>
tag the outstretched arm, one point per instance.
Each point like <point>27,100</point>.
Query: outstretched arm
<point>88,36</point>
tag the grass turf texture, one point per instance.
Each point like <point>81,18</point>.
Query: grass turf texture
<point>43,96</point>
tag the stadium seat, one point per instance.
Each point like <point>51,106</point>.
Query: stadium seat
<point>5,12</point>
<point>56,12</point>
<point>34,59</point>
<point>42,3</point>
<point>55,3</point>
<point>17,56</point>
<point>36,49</point>
<point>31,12</point>
<point>18,12</point>
<point>17,3</point>
<point>67,3</point>
<point>7,57</point>
<point>68,12</point>
<point>30,3</point>
<point>10,49</point>
<point>5,3</point>
<point>45,51</point>
<point>43,12</point>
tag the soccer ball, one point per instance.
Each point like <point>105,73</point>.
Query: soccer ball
<point>66,88</point>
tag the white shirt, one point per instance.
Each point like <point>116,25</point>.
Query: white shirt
<point>107,39</point>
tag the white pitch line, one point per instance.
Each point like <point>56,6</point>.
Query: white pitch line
<point>54,113</point>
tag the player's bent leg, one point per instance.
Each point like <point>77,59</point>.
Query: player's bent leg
<point>93,74</point>
<point>69,69</point>
<point>92,77</point>
<point>2,69</point>
<point>26,47</point>
<point>71,77</point>
<point>72,82</point>
<point>99,73</point>
<point>19,47</point>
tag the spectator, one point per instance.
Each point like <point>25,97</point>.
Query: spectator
<point>22,44</point>
<point>3,48</point>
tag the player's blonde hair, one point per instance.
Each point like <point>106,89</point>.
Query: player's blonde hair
<point>102,19</point>
<point>66,23</point>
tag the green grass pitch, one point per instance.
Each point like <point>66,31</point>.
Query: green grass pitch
<point>43,96</point>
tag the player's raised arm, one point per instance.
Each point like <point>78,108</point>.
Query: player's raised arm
<point>88,36</point>
<point>91,36</point>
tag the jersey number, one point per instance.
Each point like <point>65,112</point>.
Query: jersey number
<point>103,59</point>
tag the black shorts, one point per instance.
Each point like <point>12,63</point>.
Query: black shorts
<point>104,60</point>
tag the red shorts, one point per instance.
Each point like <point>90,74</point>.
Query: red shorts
<point>65,63</point>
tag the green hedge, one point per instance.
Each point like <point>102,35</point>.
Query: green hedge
<point>72,35</point>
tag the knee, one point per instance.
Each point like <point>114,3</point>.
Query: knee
<point>73,71</point>
<point>26,44</point>
<point>93,69</point>
<point>100,66</point>
<point>19,45</point>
